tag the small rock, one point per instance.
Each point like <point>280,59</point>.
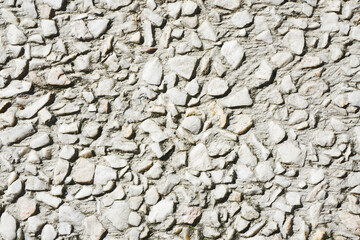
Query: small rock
<point>35,224</point>
<point>118,214</point>
<point>192,124</point>
<point>42,140</point>
<point>281,59</point>
<point>26,207</point>
<point>55,4</point>
<point>98,27</point>
<point>16,134</point>
<point>49,28</point>
<point>241,123</point>
<point>310,62</point>
<point>199,158</point>
<point>93,228</point>
<point>83,171</point>
<point>217,87</point>
<point>104,174</point>
<point>240,98</point>
<point>15,88</point>
<point>289,153</point>
<point>233,53</point>
<point>160,211</point>
<point>277,134</point>
<point>48,199</point>
<point>71,215</point>
<point>57,77</point>
<point>48,232</point>
<point>246,156</point>
<point>242,19</point>
<point>7,226</point>
<point>207,32</point>
<point>15,36</point>
<point>295,41</point>
<point>183,65</point>
<point>324,138</point>
<point>177,96</point>
<point>80,31</point>
<point>264,171</point>
<point>248,212</point>
<point>153,72</point>
<point>228,4</point>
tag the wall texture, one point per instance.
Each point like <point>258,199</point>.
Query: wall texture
<point>228,119</point>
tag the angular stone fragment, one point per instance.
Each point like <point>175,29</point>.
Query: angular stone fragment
<point>15,87</point>
<point>241,123</point>
<point>42,140</point>
<point>295,41</point>
<point>160,211</point>
<point>118,214</point>
<point>184,66</point>
<point>153,71</point>
<point>281,59</point>
<point>57,77</point>
<point>16,134</point>
<point>83,171</point>
<point>289,153</point>
<point>156,133</point>
<point>116,4</point>
<point>98,27</point>
<point>199,158</point>
<point>240,98</point>
<point>93,228</point>
<point>350,221</point>
<point>264,171</point>
<point>153,17</point>
<point>329,22</point>
<point>242,19</point>
<point>310,62</point>
<point>246,157</point>
<point>233,53</point>
<point>177,96</point>
<point>324,138</point>
<point>354,98</point>
<point>35,184</point>
<point>15,36</point>
<point>277,133</point>
<point>49,28</point>
<point>217,87</point>
<point>104,174</point>
<point>61,170</point>
<point>80,31</point>
<point>206,31</point>
<point>264,73</point>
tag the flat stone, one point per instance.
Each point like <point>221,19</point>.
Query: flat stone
<point>41,140</point>
<point>329,22</point>
<point>153,71</point>
<point>289,153</point>
<point>248,212</point>
<point>48,199</point>
<point>188,8</point>
<point>160,211</point>
<point>104,174</point>
<point>350,221</point>
<point>242,19</point>
<point>35,224</point>
<point>240,98</point>
<point>15,88</point>
<point>228,4</point>
<point>295,41</point>
<point>118,214</point>
<point>264,171</point>
<point>264,73</point>
<point>177,96</point>
<point>199,158</point>
<point>293,198</point>
<point>116,4</point>
<point>26,207</point>
<point>153,17</point>
<point>31,110</point>
<point>98,27</point>
<point>246,157</point>
<point>49,28</point>
<point>217,87</point>
<point>15,36</point>
<point>61,170</point>
<point>206,31</point>
<point>316,176</point>
<point>57,77</point>
<point>80,31</point>
<point>233,53</point>
<point>324,138</point>
<point>16,134</point>
<point>83,171</point>
<point>241,123</point>
<point>93,228</point>
<point>281,59</point>
<point>184,66</point>
<point>354,98</point>
<point>55,4</point>
<point>276,133</point>
<point>310,62</point>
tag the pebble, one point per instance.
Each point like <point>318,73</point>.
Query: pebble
<point>246,156</point>
<point>276,133</point>
<point>242,19</point>
<point>281,59</point>
<point>177,96</point>
<point>199,158</point>
<point>16,134</point>
<point>184,66</point>
<point>71,215</point>
<point>15,88</point>
<point>240,98</point>
<point>324,138</point>
<point>295,41</point>
<point>289,153</point>
<point>8,226</point>
<point>57,77</point>
<point>26,207</point>
<point>193,124</point>
<point>93,228</point>
<point>217,87</point>
<point>264,171</point>
<point>160,211</point>
<point>48,232</point>
<point>35,224</point>
<point>83,171</point>
<point>206,31</point>
<point>98,27</point>
<point>15,36</point>
<point>49,28</point>
<point>242,123</point>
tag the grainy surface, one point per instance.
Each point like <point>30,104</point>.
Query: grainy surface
<point>218,119</point>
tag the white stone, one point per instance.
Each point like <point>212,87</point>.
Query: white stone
<point>246,157</point>
<point>264,171</point>
<point>192,124</point>
<point>16,134</point>
<point>310,61</point>
<point>49,28</point>
<point>48,232</point>
<point>177,96</point>
<point>242,19</point>
<point>93,228</point>
<point>217,87</point>
<point>354,98</point>
<point>7,226</point>
<point>293,198</point>
<point>324,138</point>
<point>241,123</point>
<point>276,133</point>
<point>329,22</point>
<point>41,140</point>
<point>188,8</point>
<point>153,71</point>
<point>35,224</point>
<point>31,110</point>
<point>183,66</point>
<point>228,4</point>
<point>83,171</point>
<point>98,27</point>
<point>248,212</point>
<point>48,199</point>
<point>104,174</point>
<point>118,214</point>
<point>199,158</point>
<point>57,77</point>
<point>207,32</point>
<point>153,17</point>
<point>15,36</point>
<point>15,87</point>
<point>233,53</point>
<point>80,31</point>
<point>240,98</point>
<point>116,4</point>
<point>71,215</point>
<point>289,153</point>
<point>295,41</point>
<point>281,59</point>
<point>55,4</point>
<point>160,211</point>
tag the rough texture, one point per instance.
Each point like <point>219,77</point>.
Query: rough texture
<point>179,119</point>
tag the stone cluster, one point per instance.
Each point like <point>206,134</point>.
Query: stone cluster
<point>179,119</point>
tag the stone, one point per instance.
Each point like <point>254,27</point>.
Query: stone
<point>61,170</point>
<point>83,171</point>
<point>240,98</point>
<point>15,36</point>
<point>48,232</point>
<point>192,88</point>
<point>316,176</point>
<point>152,196</point>
<point>188,8</point>
<point>31,110</point>
<point>160,211</point>
<point>193,124</point>
<point>264,73</point>
<point>118,214</point>
<point>246,157</point>
<point>329,22</point>
<point>26,207</point>
<point>240,224</point>
<point>354,98</point>
<point>55,4</point>
<point>324,138</point>
<point>220,192</point>
<point>233,53</point>
<point>177,96</point>
<point>49,28</point>
<point>91,130</point>
<point>104,174</point>
<point>93,228</point>
<point>295,41</point>
<point>98,27</point>
<point>242,19</point>
<point>153,71</point>
<point>199,158</point>
<point>217,87</point>
<point>310,61</point>
<point>57,77</point>
<point>41,140</point>
<point>16,134</point>
<point>229,4</point>
<point>248,212</point>
<point>80,31</point>
<point>264,171</point>
<point>71,215</point>
<point>206,31</point>
<point>48,199</point>
<point>281,59</point>
<point>184,66</point>
<point>35,224</point>
<point>276,133</point>
<point>116,4</point>
<point>15,88</point>
<point>134,219</point>
<point>153,17</point>
<point>7,226</point>
<point>289,153</point>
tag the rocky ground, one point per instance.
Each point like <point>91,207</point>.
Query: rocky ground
<point>228,119</point>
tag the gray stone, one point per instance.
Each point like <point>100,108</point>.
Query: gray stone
<point>118,214</point>
<point>240,98</point>
<point>153,71</point>
<point>295,41</point>
<point>242,19</point>
<point>184,66</point>
<point>199,158</point>
<point>193,124</point>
